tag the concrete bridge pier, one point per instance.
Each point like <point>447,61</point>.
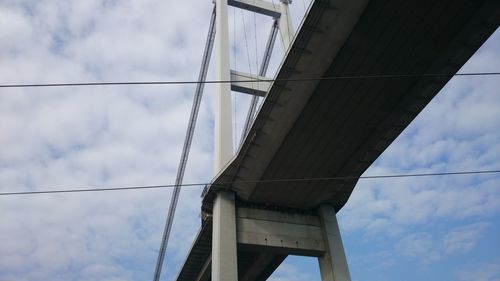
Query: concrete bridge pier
<point>224,251</point>
<point>333,262</point>
<point>268,234</point>
<point>273,233</point>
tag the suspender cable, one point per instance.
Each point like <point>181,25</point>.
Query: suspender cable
<point>262,72</point>
<point>187,145</point>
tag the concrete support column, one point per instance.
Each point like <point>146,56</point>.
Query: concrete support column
<point>224,253</point>
<point>333,263</point>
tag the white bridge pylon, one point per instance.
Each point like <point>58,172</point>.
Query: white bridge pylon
<point>223,108</point>
<point>224,252</point>
<point>316,235</point>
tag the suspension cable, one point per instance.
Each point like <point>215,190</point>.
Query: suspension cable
<point>187,145</point>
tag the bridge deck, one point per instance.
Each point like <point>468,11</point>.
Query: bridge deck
<point>331,128</point>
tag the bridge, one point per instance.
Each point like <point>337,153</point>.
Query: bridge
<point>376,64</point>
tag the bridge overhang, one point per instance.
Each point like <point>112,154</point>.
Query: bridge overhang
<point>338,128</point>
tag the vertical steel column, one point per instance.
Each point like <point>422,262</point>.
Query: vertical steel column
<point>223,118</point>
<point>224,253</point>
<point>333,263</point>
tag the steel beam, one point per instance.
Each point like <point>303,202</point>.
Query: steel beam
<point>257,6</point>
<point>240,83</point>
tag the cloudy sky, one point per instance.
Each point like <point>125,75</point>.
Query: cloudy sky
<point>437,228</point>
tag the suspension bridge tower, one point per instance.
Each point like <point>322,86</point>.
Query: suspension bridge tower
<point>254,228</point>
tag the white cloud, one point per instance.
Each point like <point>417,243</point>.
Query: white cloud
<point>419,245</point>
<point>480,272</point>
<point>103,136</point>
<point>123,136</point>
<point>96,136</point>
<point>399,203</point>
<point>463,239</point>
<point>289,272</point>
<point>15,31</point>
<point>428,248</point>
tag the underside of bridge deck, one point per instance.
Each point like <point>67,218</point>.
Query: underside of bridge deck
<point>339,127</point>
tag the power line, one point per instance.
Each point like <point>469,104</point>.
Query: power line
<point>250,181</point>
<point>303,79</point>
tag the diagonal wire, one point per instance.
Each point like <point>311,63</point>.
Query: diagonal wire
<point>262,72</point>
<point>248,58</point>
<point>234,67</point>
<point>185,150</point>
<point>255,40</point>
<point>246,45</point>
